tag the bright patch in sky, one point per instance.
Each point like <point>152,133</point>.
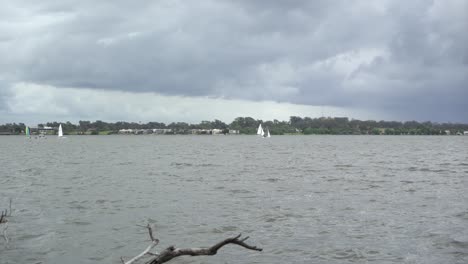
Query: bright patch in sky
<point>33,103</point>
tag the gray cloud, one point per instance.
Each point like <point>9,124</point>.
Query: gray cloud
<point>5,96</point>
<point>407,59</point>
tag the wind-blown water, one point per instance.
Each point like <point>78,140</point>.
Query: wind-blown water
<point>304,199</point>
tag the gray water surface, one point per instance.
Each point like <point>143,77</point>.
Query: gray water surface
<point>304,199</point>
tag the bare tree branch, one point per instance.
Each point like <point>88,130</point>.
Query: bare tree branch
<point>154,242</point>
<point>173,252</point>
<point>3,217</point>
<point>150,231</point>
<point>4,220</point>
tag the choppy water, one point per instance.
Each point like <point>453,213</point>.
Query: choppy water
<point>304,199</point>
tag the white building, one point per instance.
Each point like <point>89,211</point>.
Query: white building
<point>126,131</point>
<point>162,131</point>
<point>216,131</point>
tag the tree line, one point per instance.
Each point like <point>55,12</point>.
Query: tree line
<point>249,125</point>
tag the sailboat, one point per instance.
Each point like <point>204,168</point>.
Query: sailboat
<point>28,132</point>
<point>60,132</point>
<point>268,133</point>
<point>260,131</point>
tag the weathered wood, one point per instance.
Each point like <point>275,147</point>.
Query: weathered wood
<point>4,222</point>
<point>173,252</point>
<point>154,242</point>
<point>3,217</point>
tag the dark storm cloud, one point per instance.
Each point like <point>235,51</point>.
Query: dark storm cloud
<point>408,59</point>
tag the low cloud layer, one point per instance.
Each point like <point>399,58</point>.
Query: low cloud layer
<point>402,59</point>
<point>32,104</point>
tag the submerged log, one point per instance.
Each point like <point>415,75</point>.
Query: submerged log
<point>173,252</point>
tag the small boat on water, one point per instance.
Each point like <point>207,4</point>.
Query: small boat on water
<point>60,132</point>
<point>260,131</point>
<point>28,132</point>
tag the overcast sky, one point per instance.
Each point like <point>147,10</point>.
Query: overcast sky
<point>201,60</point>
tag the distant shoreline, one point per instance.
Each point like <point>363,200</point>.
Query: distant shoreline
<point>245,126</point>
<point>206,135</point>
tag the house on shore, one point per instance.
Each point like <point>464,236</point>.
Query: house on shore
<point>197,131</point>
<point>47,130</point>
<point>169,131</point>
<point>214,131</point>
<point>217,131</point>
<point>162,131</point>
<point>158,131</point>
<point>126,131</point>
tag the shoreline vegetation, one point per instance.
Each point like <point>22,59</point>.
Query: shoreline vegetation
<point>246,126</point>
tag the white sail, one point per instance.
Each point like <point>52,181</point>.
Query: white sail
<point>260,130</point>
<point>268,133</point>
<point>60,132</point>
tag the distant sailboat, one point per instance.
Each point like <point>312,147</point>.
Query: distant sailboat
<point>60,132</point>
<point>28,132</point>
<point>260,131</point>
<point>268,133</point>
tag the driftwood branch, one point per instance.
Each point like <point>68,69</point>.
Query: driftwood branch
<point>4,223</point>
<point>4,214</point>
<point>173,252</point>
<point>154,242</point>
<point>3,217</point>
